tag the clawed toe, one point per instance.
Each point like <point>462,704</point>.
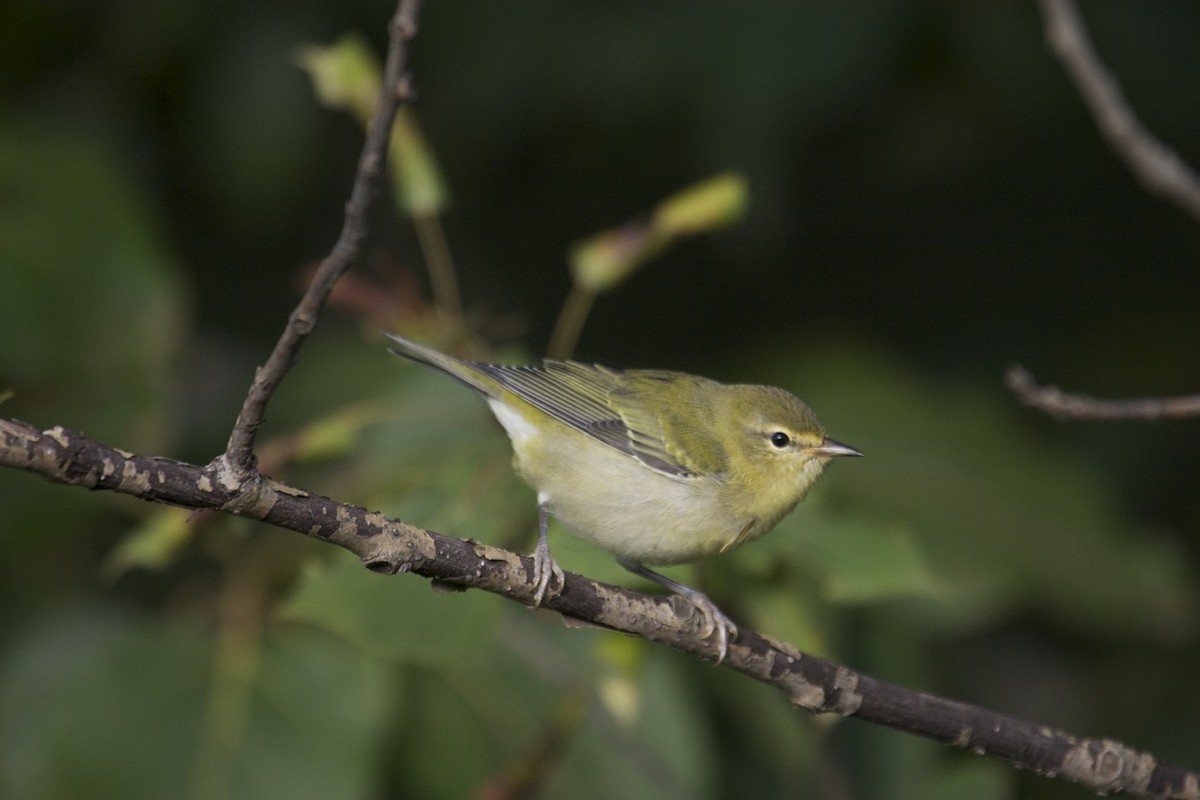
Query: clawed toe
<point>545,568</point>
<point>546,571</point>
<point>715,622</point>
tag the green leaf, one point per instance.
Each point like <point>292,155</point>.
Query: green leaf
<point>345,75</point>
<point>96,706</point>
<point>91,312</point>
<point>603,261</point>
<point>153,544</point>
<point>420,187</point>
<point>397,617</point>
<point>859,562</point>
<point>102,707</point>
<point>674,744</point>
<point>316,715</point>
<point>92,315</point>
<point>707,206</point>
<point>967,776</point>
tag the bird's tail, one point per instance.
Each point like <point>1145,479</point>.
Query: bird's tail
<point>468,372</point>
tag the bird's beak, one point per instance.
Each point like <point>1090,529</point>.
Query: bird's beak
<point>829,447</point>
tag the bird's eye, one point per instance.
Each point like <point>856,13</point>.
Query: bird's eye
<point>780,439</point>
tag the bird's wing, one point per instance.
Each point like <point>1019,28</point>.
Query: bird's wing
<point>669,420</point>
<point>595,400</point>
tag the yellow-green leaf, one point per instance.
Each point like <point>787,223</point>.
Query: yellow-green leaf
<point>707,206</point>
<point>604,260</point>
<point>345,75</point>
<point>153,544</point>
<point>419,185</point>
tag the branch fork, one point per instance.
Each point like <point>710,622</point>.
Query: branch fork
<point>231,483</point>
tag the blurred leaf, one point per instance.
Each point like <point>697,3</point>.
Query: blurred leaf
<point>620,698</point>
<point>345,75</point>
<point>90,321</point>
<point>420,188</point>
<point>707,206</point>
<point>94,706</point>
<point>769,748</point>
<point>153,544</point>
<point>965,776</point>
<point>317,713</point>
<point>604,260</point>
<point>668,751</point>
<point>335,435</point>
<point>487,712</point>
<point>391,616</point>
<point>503,702</point>
<point>1006,524</point>
<point>787,613</point>
<point>862,563</point>
<point>442,461</point>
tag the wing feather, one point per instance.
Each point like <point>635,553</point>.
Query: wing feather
<point>582,396</point>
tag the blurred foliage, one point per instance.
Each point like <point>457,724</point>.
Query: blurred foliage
<point>346,75</point>
<point>605,260</point>
<point>928,201</point>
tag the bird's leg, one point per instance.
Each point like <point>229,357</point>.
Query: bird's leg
<point>714,619</point>
<point>544,566</point>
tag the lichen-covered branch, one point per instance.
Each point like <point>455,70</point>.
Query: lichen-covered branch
<point>239,453</point>
<point>232,484</point>
<point>388,546</point>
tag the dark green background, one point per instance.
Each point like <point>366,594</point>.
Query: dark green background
<point>930,201</point>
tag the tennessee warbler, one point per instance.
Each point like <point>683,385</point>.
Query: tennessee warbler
<point>655,467</point>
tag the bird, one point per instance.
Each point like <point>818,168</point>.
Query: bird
<point>655,467</point>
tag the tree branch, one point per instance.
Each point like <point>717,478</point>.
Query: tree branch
<point>232,484</point>
<point>387,546</point>
<point>1066,405</point>
<point>238,458</point>
<point>1157,166</point>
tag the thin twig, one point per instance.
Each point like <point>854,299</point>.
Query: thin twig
<point>432,238</point>
<point>1155,164</point>
<point>574,313</point>
<point>239,453</point>
<point>389,547</point>
<point>1065,405</point>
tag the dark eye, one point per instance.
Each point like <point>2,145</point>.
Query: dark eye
<point>780,439</point>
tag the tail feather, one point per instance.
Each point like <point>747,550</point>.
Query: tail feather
<point>465,371</point>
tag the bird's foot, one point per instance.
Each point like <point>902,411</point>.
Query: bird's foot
<point>546,570</point>
<point>715,622</point>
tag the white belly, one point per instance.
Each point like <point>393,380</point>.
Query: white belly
<point>612,500</point>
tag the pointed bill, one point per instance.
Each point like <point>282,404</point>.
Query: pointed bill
<point>829,447</point>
